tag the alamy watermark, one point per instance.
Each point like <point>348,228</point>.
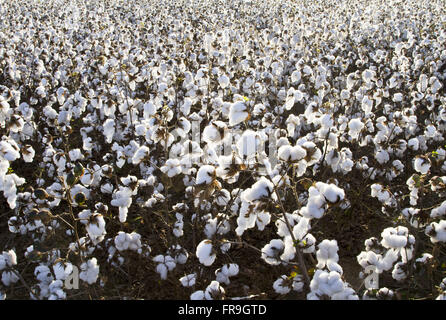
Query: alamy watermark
<point>72,280</point>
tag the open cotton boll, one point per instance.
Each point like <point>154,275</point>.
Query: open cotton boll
<point>398,272</point>
<point>56,290</point>
<point>262,189</point>
<point>62,270</point>
<point>272,251</point>
<point>439,211</point>
<point>355,126</point>
<point>367,105</point>
<point>205,175</point>
<point>89,271</point>
<point>282,285</point>
<point>382,156</point>
<point>228,270</point>
<point>205,252</point>
<point>9,150</point>
<point>172,167</point>
<point>413,144</point>
<point>331,285</point>
<point>316,203</point>
<point>75,154</point>
<point>328,252</point>
<point>197,295</point>
<point>128,241</point>
<point>28,153</point>
<point>395,238</point>
<point>292,154</point>
<point>122,199</point>
<point>422,165</point>
<point>9,187</point>
<point>149,110</point>
<point>296,76</point>
<point>141,154</point>
<point>8,259</point>
<point>214,132</point>
<point>238,112</point>
<point>331,192</point>
<point>109,130</point>
<point>165,264</point>
<point>437,231</point>
<point>378,191</point>
<point>188,280</point>
<point>214,291</point>
<point>9,277</point>
<point>223,80</point>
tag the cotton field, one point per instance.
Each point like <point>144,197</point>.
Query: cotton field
<point>222,149</point>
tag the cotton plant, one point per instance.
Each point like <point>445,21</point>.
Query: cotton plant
<point>395,250</point>
<point>89,271</point>
<point>8,260</point>
<point>327,281</point>
<point>255,143</point>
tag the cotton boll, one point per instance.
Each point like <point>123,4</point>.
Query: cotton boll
<point>422,165</point>
<point>109,130</point>
<point>296,76</point>
<point>292,154</point>
<point>172,167</point>
<point>9,277</point>
<point>298,283</point>
<point>272,251</point>
<point>205,252</point>
<point>128,241</point>
<point>178,226</point>
<point>9,150</point>
<point>75,155</point>
<point>189,281</point>
<point>413,144</point>
<point>228,270</point>
<point>214,132</point>
<point>331,192</point>
<point>223,80</point>
<point>355,127</point>
<point>330,284</point>
<point>238,112</point>
<point>62,270</point>
<point>437,231</point>
<point>149,110</point>
<point>439,211</point>
<point>43,274</point>
<point>56,290</point>
<point>214,291</point>
<point>165,264</point>
<point>7,259</point>
<point>382,156</point>
<point>28,153</point>
<point>398,272</point>
<point>394,237</point>
<point>205,175</point>
<point>197,295</point>
<point>89,271</point>
<point>327,253</point>
<point>282,285</point>
<point>140,155</point>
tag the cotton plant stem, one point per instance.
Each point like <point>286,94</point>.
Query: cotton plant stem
<point>300,258</point>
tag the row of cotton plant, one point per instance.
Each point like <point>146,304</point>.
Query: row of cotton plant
<point>210,149</point>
